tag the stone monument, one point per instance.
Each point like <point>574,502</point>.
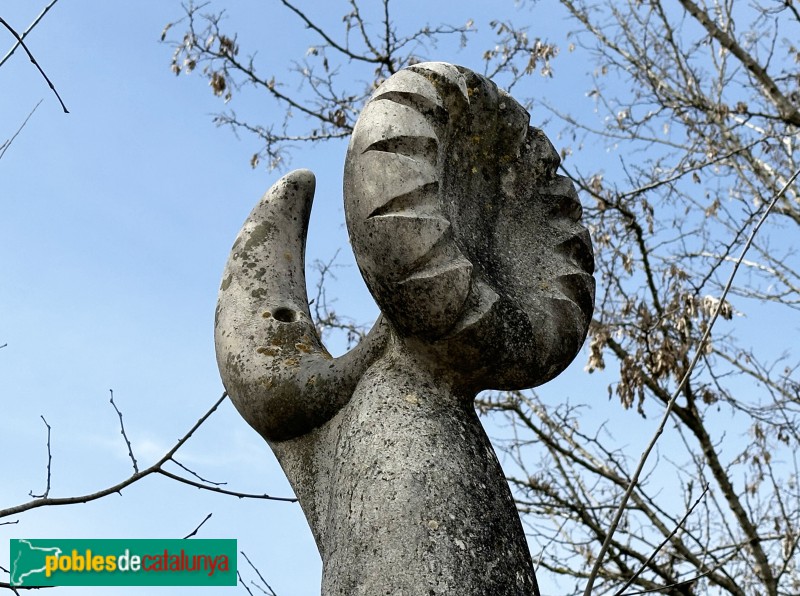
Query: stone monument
<point>472,246</point>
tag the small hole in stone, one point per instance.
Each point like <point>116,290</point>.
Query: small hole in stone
<point>285,315</point>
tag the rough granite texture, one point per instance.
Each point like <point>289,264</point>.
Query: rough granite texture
<point>472,246</point>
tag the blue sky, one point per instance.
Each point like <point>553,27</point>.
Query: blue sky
<point>115,225</point>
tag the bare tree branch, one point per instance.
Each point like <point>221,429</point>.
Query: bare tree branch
<point>156,468</point>
<point>261,577</point>
<point>679,525</point>
<point>764,564</point>
<point>49,465</point>
<point>196,475</point>
<point>122,432</point>
<point>222,491</point>
<point>787,110</point>
<point>35,63</point>
<point>200,525</point>
<point>6,144</point>
<point>28,30</point>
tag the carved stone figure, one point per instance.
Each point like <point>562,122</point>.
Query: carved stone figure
<point>472,246</point>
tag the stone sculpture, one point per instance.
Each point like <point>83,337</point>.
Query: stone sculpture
<point>472,246</point>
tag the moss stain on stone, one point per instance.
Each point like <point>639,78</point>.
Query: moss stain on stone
<point>259,234</point>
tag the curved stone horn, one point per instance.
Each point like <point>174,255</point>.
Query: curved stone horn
<point>273,365</point>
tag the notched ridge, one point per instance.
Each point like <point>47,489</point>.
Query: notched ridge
<point>440,222</point>
<point>578,251</point>
<point>567,206</point>
<point>419,202</point>
<point>441,253</point>
<point>435,268</point>
<point>427,106</point>
<point>415,146</point>
<point>480,301</point>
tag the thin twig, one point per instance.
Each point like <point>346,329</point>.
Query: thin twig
<point>122,431</point>
<point>156,468</point>
<point>36,64</point>
<point>329,40</point>
<point>683,582</point>
<point>260,589</point>
<point>222,491</point>
<point>4,147</point>
<point>644,565</point>
<point>49,464</point>
<point>200,525</point>
<point>28,30</point>
<point>196,475</point>
<point>244,584</point>
<point>785,106</point>
<point>698,353</point>
<point>261,577</point>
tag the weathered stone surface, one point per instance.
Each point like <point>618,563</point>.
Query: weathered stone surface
<point>472,247</point>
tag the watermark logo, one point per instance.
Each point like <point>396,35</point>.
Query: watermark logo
<point>122,562</point>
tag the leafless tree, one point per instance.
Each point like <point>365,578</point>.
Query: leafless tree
<point>328,100</point>
<point>701,104</point>
<point>698,105</point>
